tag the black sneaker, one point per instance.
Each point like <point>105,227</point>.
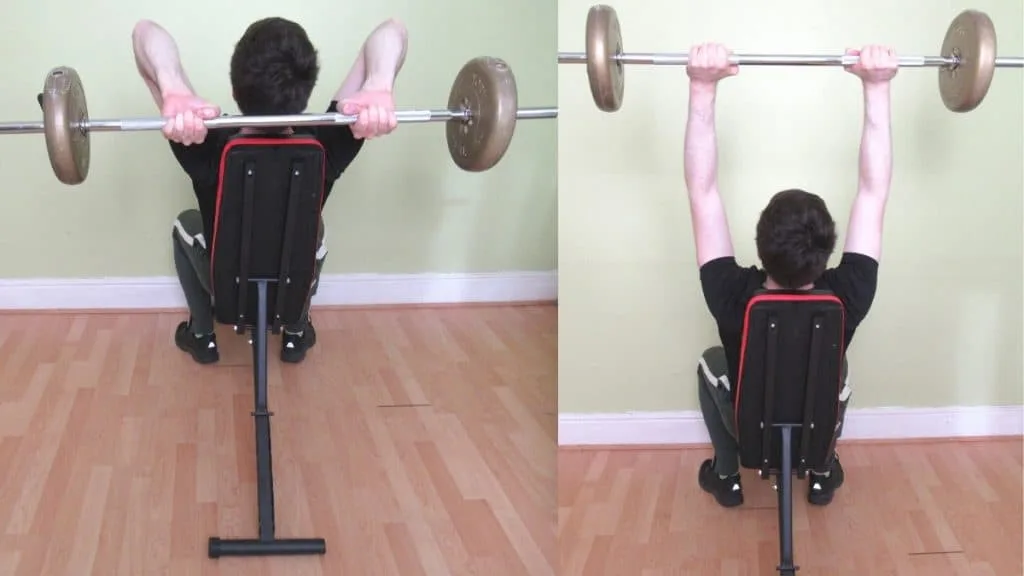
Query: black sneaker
<point>727,491</point>
<point>202,348</point>
<point>822,488</point>
<point>294,346</point>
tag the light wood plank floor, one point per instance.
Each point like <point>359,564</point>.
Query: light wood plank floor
<point>416,441</point>
<point>930,509</point>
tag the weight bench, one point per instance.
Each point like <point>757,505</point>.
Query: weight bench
<point>787,393</point>
<point>262,266</point>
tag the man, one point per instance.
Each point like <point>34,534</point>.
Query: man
<point>795,237</point>
<point>273,71</point>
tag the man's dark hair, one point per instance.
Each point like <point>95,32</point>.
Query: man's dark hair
<point>795,238</point>
<point>274,68</point>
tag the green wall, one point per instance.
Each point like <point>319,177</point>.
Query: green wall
<point>403,207</point>
<point>945,328</point>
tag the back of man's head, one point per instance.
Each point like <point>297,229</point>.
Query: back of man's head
<point>795,238</point>
<point>274,68</point>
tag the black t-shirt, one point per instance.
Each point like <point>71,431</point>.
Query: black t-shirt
<point>202,161</point>
<point>728,288</point>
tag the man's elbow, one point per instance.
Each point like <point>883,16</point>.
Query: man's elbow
<point>142,27</point>
<point>874,192</point>
<point>701,190</point>
<point>396,26</point>
<point>142,31</point>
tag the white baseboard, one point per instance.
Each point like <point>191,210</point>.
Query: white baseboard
<point>335,290</point>
<point>687,427</point>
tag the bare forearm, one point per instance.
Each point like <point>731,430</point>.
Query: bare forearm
<point>876,142</point>
<point>384,55</point>
<point>700,156</point>
<point>158,60</point>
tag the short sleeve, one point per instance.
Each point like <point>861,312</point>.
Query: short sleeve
<point>727,287</point>
<point>854,282</point>
<point>201,161</point>
<point>340,146</point>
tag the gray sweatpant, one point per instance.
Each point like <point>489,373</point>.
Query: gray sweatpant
<point>714,390</point>
<point>192,263</point>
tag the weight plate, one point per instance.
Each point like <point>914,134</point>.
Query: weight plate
<point>604,43</point>
<point>487,88</point>
<point>65,115</point>
<point>971,38</point>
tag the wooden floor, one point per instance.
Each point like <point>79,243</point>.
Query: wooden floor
<point>417,442</point>
<point>932,509</point>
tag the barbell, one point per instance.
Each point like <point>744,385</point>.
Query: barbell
<point>483,108</point>
<point>966,63</point>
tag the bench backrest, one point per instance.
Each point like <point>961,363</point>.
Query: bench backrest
<point>267,227</point>
<point>790,372</point>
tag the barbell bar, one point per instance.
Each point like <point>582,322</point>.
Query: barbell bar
<point>481,118</point>
<point>966,65</point>
<point>683,59</point>
<point>286,120</point>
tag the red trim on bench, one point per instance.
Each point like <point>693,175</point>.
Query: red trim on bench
<point>257,141</point>
<point>746,324</point>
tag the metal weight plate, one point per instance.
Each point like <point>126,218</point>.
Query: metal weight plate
<point>604,42</point>
<point>64,111</point>
<point>971,37</point>
<point>487,88</point>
